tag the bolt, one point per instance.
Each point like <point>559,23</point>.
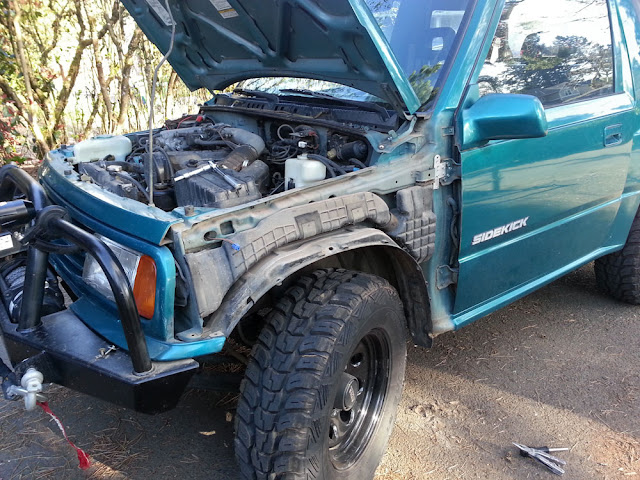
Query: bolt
<point>189,210</point>
<point>381,147</point>
<point>68,171</point>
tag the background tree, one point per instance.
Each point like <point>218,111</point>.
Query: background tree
<point>71,68</point>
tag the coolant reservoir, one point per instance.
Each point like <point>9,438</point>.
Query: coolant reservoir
<point>303,171</point>
<point>99,147</point>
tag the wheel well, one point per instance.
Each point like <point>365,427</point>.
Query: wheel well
<point>392,264</point>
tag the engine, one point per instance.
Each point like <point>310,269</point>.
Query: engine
<point>202,163</point>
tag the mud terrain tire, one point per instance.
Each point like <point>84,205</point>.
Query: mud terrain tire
<point>321,390</point>
<point>618,273</point>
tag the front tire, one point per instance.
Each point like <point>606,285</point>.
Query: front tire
<point>321,391</point>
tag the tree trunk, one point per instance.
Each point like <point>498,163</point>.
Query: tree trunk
<point>27,110</point>
<point>169,98</point>
<point>125,85</point>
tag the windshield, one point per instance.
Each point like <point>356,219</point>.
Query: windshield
<point>421,33</point>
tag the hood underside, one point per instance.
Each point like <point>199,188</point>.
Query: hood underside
<point>220,42</point>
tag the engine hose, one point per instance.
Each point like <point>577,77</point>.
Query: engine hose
<point>210,143</point>
<point>137,184</point>
<point>357,163</point>
<point>240,157</point>
<point>250,147</point>
<point>330,170</point>
<point>172,173</point>
<point>328,163</point>
<point>127,166</point>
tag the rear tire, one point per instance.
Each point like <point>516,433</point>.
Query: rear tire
<point>322,387</point>
<point>618,273</point>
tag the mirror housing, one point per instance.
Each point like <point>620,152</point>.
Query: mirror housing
<point>502,116</point>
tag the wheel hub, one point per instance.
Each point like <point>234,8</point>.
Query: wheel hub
<point>359,399</point>
<point>347,392</point>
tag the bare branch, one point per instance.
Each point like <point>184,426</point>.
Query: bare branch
<point>125,85</point>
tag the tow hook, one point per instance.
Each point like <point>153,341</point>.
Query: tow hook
<point>31,386</point>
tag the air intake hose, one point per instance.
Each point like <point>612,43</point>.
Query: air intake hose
<point>250,147</point>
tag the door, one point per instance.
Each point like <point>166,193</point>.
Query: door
<point>534,208</point>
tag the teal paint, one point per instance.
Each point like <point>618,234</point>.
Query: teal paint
<point>102,320</point>
<point>568,184</point>
<point>498,116</point>
<point>134,218</point>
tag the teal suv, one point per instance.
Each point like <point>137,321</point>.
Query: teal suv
<point>365,171</point>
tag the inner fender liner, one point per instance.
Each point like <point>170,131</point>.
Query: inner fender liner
<point>416,230</point>
<point>207,267</point>
<point>290,259</point>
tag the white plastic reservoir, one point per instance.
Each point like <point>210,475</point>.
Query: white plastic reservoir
<point>303,171</point>
<point>97,148</point>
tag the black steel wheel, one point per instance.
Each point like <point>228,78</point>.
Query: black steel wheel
<point>321,391</point>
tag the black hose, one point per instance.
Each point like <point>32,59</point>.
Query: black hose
<point>357,163</point>
<point>330,169</point>
<point>137,184</point>
<point>330,164</point>
<point>213,143</point>
<point>166,156</point>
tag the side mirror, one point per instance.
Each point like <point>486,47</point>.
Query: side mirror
<point>502,116</point>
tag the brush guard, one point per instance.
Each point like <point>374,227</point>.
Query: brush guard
<point>62,347</point>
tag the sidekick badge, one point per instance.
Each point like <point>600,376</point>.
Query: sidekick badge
<point>496,232</point>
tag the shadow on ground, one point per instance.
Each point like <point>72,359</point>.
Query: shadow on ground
<point>557,368</point>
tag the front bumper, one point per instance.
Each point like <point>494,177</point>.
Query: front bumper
<point>60,345</point>
<point>68,353</point>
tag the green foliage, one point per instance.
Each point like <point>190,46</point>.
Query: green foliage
<point>421,83</point>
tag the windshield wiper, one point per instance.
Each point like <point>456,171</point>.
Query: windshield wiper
<point>272,98</point>
<point>372,107</point>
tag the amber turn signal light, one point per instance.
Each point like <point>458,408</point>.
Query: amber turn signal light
<point>144,287</point>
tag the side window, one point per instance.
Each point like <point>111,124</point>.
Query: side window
<point>558,50</point>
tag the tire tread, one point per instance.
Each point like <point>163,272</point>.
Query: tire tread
<point>283,381</point>
<point>618,274</point>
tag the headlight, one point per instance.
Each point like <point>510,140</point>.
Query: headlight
<point>140,270</point>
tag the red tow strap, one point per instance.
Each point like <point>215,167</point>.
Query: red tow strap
<point>83,458</point>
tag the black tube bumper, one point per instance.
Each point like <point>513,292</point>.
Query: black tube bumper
<point>68,353</point>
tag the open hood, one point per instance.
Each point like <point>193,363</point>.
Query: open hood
<point>220,42</point>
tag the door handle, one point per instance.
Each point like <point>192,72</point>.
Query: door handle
<point>613,135</point>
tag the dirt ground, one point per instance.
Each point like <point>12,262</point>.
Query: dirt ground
<point>558,368</point>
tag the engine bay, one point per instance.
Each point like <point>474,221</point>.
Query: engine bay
<point>200,161</point>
